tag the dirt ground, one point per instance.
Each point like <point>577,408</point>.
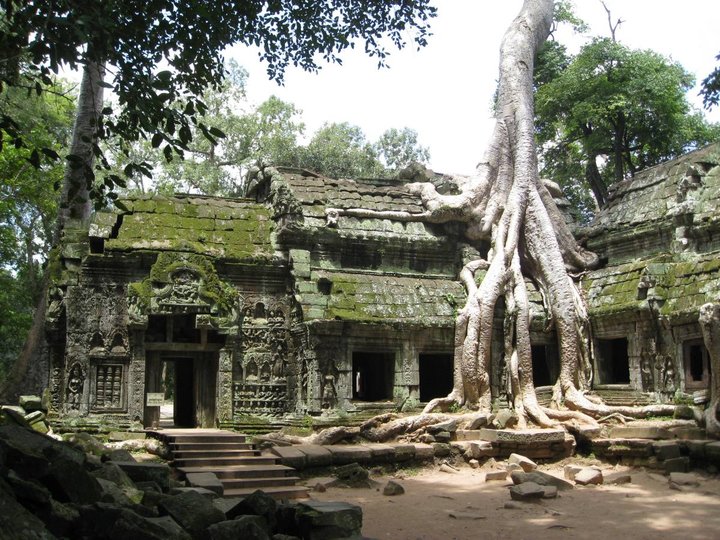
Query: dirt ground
<point>440,505</point>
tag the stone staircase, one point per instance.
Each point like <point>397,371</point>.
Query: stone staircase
<point>239,466</point>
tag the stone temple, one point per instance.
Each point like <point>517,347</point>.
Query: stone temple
<point>276,307</point>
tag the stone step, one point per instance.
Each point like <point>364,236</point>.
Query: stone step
<point>242,471</point>
<point>214,452</point>
<point>224,461</point>
<point>184,446</point>
<point>259,483</point>
<point>278,492</point>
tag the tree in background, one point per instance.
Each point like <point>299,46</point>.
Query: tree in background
<point>711,88</point>
<point>397,148</point>
<point>28,206</point>
<point>609,112</point>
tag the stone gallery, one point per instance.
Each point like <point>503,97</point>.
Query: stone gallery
<point>281,305</point>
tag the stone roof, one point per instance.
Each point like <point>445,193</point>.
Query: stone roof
<point>689,183</point>
<point>234,229</point>
<point>312,195</point>
<point>363,297</point>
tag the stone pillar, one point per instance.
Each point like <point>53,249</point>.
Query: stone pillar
<point>224,396</point>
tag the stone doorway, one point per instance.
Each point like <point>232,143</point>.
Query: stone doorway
<point>613,364</point>
<point>188,385</point>
<point>373,376</point>
<point>436,375</point>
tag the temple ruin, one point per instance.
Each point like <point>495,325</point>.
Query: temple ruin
<point>275,307</point>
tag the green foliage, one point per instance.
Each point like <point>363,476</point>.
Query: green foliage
<point>28,206</point>
<point>397,148</point>
<point>611,111</point>
<point>166,106</point>
<point>711,87</point>
<point>341,150</point>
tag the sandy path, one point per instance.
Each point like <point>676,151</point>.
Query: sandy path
<point>645,509</point>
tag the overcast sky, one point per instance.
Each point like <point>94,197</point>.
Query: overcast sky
<point>443,91</point>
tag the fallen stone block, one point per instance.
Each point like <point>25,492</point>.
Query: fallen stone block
<point>618,478</point>
<point>424,452</point>
<point>712,452</point>
<point>589,476</point>
<point>392,488</point>
<point>321,520</point>
<point>479,450</point>
<point>569,471</point>
<point>31,403</point>
<point>382,453</point>
<point>496,475</point>
<point>245,527</point>
<point>147,472</point>
<point>541,478</point>
<point>352,475</point>
<point>696,449</point>
<point>526,491</point>
<point>526,464</point>
<point>192,511</point>
<point>449,425</point>
<point>639,432</point>
<point>684,479</point>
<point>405,452</point>
<point>530,437</point>
<point>550,492</point>
<point>477,421</point>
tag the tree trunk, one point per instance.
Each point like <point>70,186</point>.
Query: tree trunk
<point>30,372</point>
<point>595,181</point>
<point>709,319</point>
<point>75,201</point>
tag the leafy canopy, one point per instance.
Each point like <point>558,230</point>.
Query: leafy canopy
<point>187,37</point>
<point>611,111</point>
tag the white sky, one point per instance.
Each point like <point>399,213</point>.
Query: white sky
<point>444,90</point>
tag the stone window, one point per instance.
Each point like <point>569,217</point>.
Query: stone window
<point>697,365</point>
<point>109,386</point>
<point>545,364</point>
<point>436,375</point>
<point>373,376</point>
<point>613,365</point>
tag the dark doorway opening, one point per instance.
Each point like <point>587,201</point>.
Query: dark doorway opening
<point>436,375</point>
<point>545,364</point>
<point>697,365</point>
<point>373,376</point>
<point>184,387</point>
<point>613,364</point>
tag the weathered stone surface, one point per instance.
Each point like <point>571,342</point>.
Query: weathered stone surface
<point>316,455</point>
<point>666,450</point>
<point>477,421</point>
<point>441,449</point>
<point>696,449</point>
<point>448,469</point>
<point>318,520</point>
<point>177,490</point>
<point>539,477</point>
<point>505,418</point>
<point>618,478</point>
<point>290,456</point>
<point>526,491</point>
<point>495,475</point>
<point>677,464</point>
<point>639,432</point>
<point>523,436</point>
<point>479,450</point>
<point>685,479</point>
<point>405,452</point>
<point>119,455</point>
<point>31,403</point>
<point>28,491</point>
<point>70,482</point>
<point>192,511</point>
<point>569,471</point>
<point>589,476</point>
<point>449,425</point>
<point>112,472</point>
<point>424,452</point>
<point>16,521</point>
<point>205,480</point>
<point>347,453</point>
<point>86,442</point>
<point>148,472</point>
<point>550,492</point>
<point>382,453</point>
<point>712,451</point>
<point>443,437</point>
<point>353,475</point>
<point>14,414</point>
<point>245,527</point>
<point>393,488</point>
<point>474,463</point>
<point>525,463</point>
<point>111,493</point>
<point>257,503</point>
<point>171,527</point>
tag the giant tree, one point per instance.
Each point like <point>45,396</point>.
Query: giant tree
<point>511,217</point>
